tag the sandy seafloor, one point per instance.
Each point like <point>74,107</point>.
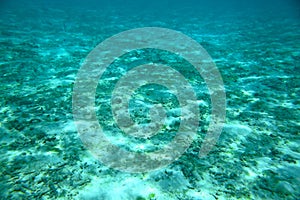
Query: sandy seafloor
<point>256,157</point>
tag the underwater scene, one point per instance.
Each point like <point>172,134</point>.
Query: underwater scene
<point>150,100</point>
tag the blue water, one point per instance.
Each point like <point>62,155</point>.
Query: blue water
<point>256,48</point>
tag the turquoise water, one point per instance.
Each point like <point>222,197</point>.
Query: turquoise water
<point>256,48</point>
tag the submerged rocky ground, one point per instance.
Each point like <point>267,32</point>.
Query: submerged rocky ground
<point>256,157</point>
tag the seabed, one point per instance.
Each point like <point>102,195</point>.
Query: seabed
<point>42,157</point>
